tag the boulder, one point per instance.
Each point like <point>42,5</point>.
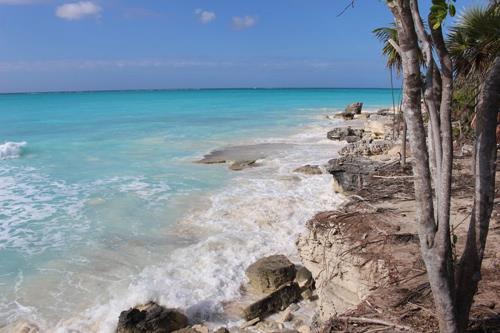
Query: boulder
<point>274,302</point>
<point>151,318</point>
<point>309,170</point>
<point>269,273</point>
<point>343,133</point>
<point>354,108</point>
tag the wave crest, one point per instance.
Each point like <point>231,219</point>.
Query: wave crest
<point>11,149</point>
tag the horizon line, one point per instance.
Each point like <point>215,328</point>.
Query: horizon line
<point>182,89</point>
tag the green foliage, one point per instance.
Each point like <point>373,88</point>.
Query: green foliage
<point>473,42</point>
<point>439,10</point>
<point>384,34</point>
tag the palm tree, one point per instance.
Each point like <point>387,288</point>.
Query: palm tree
<point>474,41</point>
<point>389,37</point>
<point>386,35</point>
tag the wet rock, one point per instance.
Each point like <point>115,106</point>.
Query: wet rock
<point>354,108</point>
<point>274,302</point>
<point>269,273</point>
<point>151,318</point>
<point>241,165</point>
<point>309,170</point>
<point>343,133</point>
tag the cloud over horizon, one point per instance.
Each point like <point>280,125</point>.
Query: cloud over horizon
<point>77,10</point>
<point>243,22</point>
<point>205,16</point>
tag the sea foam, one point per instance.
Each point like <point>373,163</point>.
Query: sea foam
<point>11,149</point>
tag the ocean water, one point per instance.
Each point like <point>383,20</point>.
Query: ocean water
<point>102,207</point>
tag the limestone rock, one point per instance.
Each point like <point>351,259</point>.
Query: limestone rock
<point>367,148</point>
<point>274,302</point>
<point>269,273</point>
<point>343,133</point>
<point>151,318</point>
<point>354,108</point>
<point>309,169</point>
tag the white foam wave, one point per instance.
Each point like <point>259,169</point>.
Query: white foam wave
<point>10,150</point>
<point>260,212</point>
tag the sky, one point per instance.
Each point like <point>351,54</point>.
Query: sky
<point>53,45</point>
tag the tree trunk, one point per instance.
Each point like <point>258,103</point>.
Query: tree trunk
<point>435,250</point>
<point>485,156</point>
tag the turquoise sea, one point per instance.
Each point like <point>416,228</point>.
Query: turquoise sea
<point>102,207</point>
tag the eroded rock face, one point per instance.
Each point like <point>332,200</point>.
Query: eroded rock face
<point>350,172</point>
<point>354,108</point>
<point>151,318</point>
<point>269,273</point>
<point>344,273</point>
<point>276,301</point>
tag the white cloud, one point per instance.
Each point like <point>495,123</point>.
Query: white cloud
<point>78,10</point>
<point>205,16</point>
<point>244,22</point>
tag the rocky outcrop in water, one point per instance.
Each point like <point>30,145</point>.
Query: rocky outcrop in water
<point>270,273</point>
<point>354,108</point>
<point>350,171</point>
<point>151,318</point>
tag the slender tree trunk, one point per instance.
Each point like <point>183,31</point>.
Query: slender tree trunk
<point>434,251</point>
<point>485,156</point>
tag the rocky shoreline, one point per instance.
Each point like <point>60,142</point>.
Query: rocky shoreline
<point>281,296</point>
<point>360,268</point>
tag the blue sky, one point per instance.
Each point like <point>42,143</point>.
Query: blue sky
<point>50,45</point>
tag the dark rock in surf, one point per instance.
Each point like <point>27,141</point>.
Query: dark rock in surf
<point>278,300</point>
<point>151,318</point>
